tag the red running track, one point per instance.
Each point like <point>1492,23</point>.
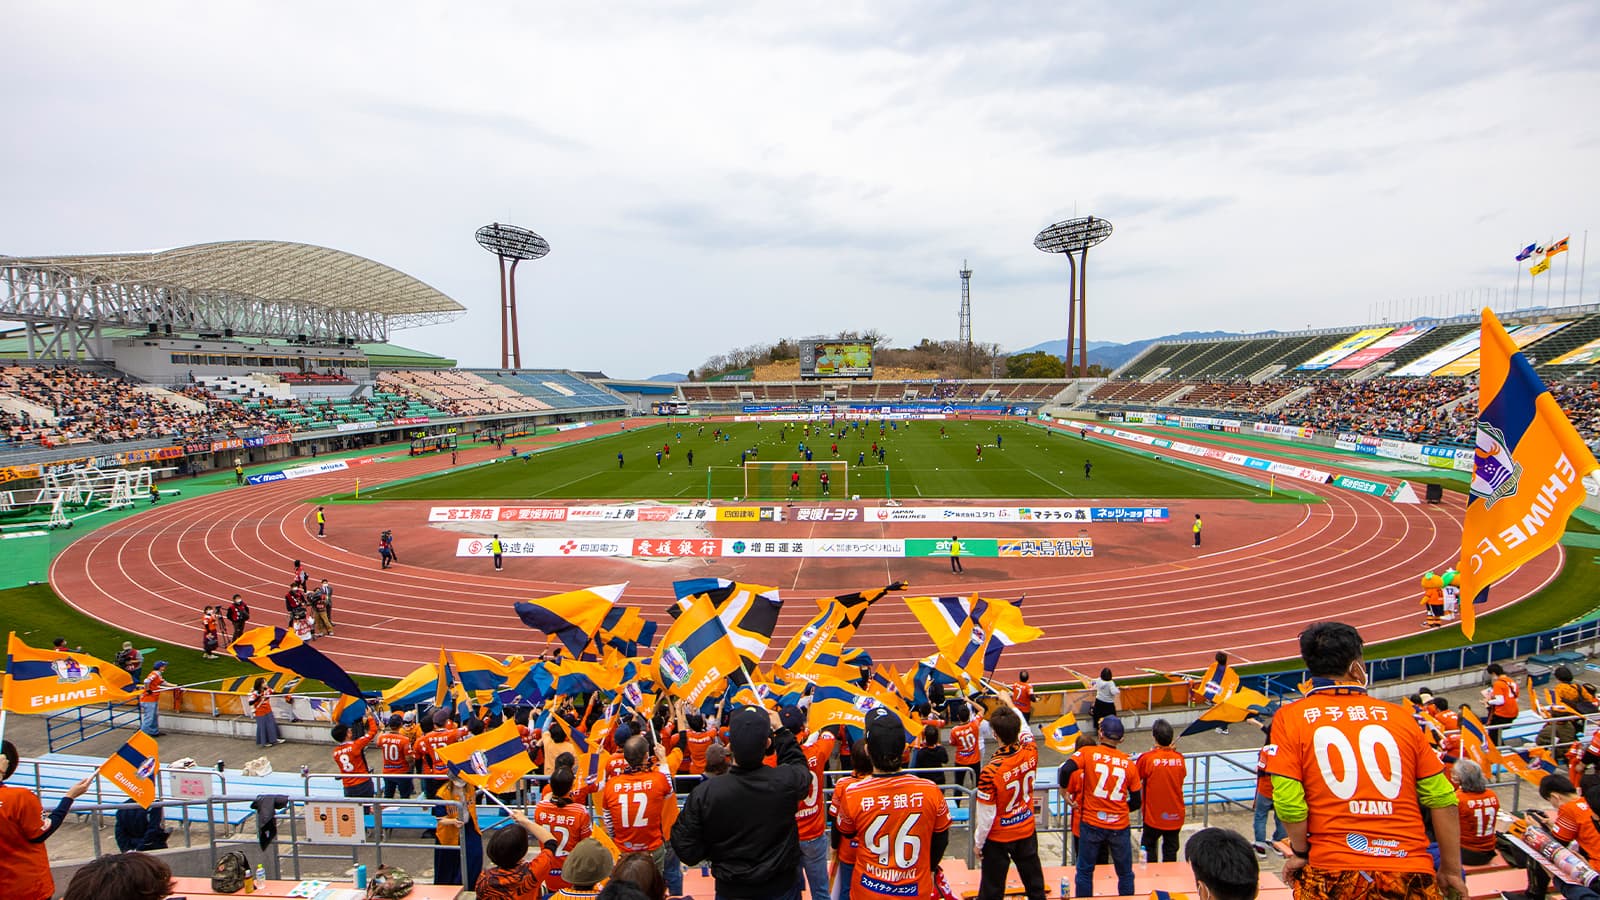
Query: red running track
<point>1147,598</point>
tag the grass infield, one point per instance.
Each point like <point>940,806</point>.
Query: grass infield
<point>923,460</point>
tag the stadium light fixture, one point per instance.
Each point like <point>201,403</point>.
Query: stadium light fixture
<point>513,243</point>
<point>1073,238</point>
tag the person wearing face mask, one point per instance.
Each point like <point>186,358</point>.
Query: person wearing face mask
<point>1352,778</point>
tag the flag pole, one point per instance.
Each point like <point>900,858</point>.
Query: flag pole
<point>1583,263</point>
<point>1516,290</point>
<point>1566,269</point>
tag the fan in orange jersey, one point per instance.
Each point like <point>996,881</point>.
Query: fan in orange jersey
<point>634,804</point>
<point>1110,792</point>
<point>1162,769</point>
<point>811,817</point>
<point>1501,698</point>
<point>1003,825</point>
<point>901,821</point>
<point>1022,695</point>
<point>1479,808</point>
<point>395,750</point>
<point>1351,778</point>
<point>966,739</point>
<point>845,849</point>
<point>444,732</point>
<point>350,758</point>
<point>567,820</point>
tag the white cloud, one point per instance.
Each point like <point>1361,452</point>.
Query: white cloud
<point>711,175</point>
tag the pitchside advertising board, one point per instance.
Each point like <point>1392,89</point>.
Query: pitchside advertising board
<point>981,514</point>
<point>966,515</point>
<point>630,513</point>
<point>828,359</point>
<point>797,548</point>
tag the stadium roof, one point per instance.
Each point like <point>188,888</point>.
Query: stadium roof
<point>268,271</point>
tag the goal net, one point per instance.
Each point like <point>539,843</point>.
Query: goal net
<point>793,480</point>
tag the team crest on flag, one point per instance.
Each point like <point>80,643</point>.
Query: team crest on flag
<point>1495,475</point>
<point>133,769</point>
<point>675,665</point>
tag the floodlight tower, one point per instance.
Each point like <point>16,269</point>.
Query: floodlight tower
<point>513,244</point>
<point>965,337</point>
<point>1074,237</point>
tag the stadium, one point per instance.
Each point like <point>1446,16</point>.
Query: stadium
<point>212,437</point>
<point>306,596</point>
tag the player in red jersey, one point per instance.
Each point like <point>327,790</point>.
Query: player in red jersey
<point>845,849</point>
<point>1110,792</point>
<point>901,821</point>
<point>1351,777</point>
<point>395,750</point>
<point>1162,769</point>
<point>567,820</point>
<point>1003,828</point>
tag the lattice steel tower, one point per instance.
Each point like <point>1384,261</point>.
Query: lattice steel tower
<point>965,337</point>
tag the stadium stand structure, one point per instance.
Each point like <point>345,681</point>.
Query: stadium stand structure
<point>1260,377</point>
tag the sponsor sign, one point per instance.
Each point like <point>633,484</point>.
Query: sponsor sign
<point>1360,484</point>
<point>555,547</point>
<point>463,514</point>
<point>412,420</point>
<point>752,547</point>
<point>1051,547</point>
<point>1129,513</point>
<point>322,468</point>
<point>1239,459</point>
<point>266,478</point>
<point>647,549</point>
<point>855,547</point>
<point>1298,432</point>
<point>17,473</point>
<point>1343,349</point>
<point>921,547</point>
<point>130,457</point>
<point>745,513</point>
<point>826,513</point>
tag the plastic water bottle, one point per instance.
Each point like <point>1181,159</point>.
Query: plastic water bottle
<point>261,875</point>
<point>361,876</point>
<point>1066,888</point>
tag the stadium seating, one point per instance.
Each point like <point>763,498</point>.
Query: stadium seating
<point>72,405</point>
<point>557,389</point>
<point>460,393</point>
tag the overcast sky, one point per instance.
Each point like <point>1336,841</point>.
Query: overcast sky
<point>713,175</point>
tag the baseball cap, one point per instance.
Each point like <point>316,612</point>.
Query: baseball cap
<point>588,864</point>
<point>1111,727</point>
<point>748,731</point>
<point>622,733</point>
<point>793,718</point>
<point>160,664</point>
<point>886,734</point>
<point>410,716</point>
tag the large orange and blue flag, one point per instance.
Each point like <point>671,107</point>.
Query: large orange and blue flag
<point>748,611</point>
<point>494,760</point>
<point>807,643</point>
<point>626,629</point>
<point>279,650</point>
<point>572,617</point>
<point>1475,744</point>
<point>1242,704</point>
<point>1217,684</point>
<point>696,657</point>
<point>853,608</point>
<point>134,767</point>
<point>1528,470</point>
<point>41,681</point>
<point>418,688</point>
<point>950,620</point>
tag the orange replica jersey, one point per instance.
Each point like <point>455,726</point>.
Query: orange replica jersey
<point>396,753</point>
<point>1006,783</point>
<point>430,742</point>
<point>349,757</point>
<point>1574,820</point>
<point>1108,779</point>
<point>1022,697</point>
<point>697,743</point>
<point>569,823</point>
<point>1263,780</point>
<point>1505,690</point>
<point>811,817</point>
<point>1478,812</point>
<point>841,789</point>
<point>969,750</point>
<point>1162,770</point>
<point>1075,793</point>
<point>1359,760</point>
<point>632,804</point>
<point>893,818</point>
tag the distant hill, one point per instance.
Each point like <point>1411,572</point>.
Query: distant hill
<point>1112,355</point>
<point>669,377</point>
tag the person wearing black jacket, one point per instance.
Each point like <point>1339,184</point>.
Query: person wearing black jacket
<point>139,828</point>
<point>743,822</point>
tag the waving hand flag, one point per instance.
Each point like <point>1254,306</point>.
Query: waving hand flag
<point>1062,735</point>
<point>278,650</point>
<point>695,657</point>
<point>853,608</point>
<point>573,617</point>
<point>1240,705</point>
<point>41,681</point>
<point>749,612</point>
<point>1527,470</point>
<point>133,768</point>
<point>803,648</point>
<point>493,760</point>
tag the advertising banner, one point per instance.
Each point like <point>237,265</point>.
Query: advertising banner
<point>1425,364</point>
<point>1342,349</point>
<point>321,468</point>
<point>1361,484</point>
<point>265,478</point>
<point>797,548</point>
<point>1588,354</point>
<point>1384,346</point>
<point>1522,336</point>
<point>1052,547</point>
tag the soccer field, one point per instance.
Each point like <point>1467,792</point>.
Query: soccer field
<point>1019,461</point>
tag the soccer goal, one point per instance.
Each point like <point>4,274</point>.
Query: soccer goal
<point>772,481</point>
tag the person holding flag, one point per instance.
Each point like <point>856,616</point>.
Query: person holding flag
<point>150,699</point>
<point>24,863</point>
<point>350,758</point>
<point>1003,824</point>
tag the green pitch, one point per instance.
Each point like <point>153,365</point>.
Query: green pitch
<point>1019,461</point>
